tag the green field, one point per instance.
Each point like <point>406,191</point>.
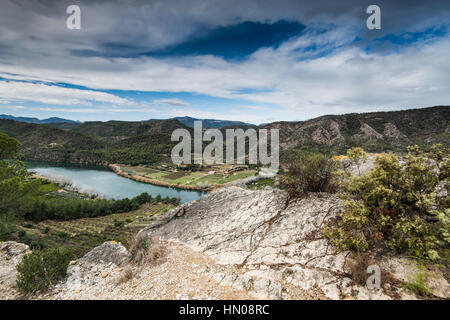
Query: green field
<point>189,178</point>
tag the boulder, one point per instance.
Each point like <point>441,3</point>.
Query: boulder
<point>108,252</point>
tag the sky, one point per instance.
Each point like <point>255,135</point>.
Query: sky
<point>257,61</point>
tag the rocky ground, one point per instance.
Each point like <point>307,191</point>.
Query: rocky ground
<point>181,274</point>
<point>268,238</point>
<point>11,254</point>
<point>237,244</point>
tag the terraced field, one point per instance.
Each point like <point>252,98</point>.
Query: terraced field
<point>81,235</point>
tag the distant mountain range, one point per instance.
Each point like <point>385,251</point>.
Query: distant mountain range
<point>187,121</point>
<point>211,123</point>
<point>36,120</point>
<point>145,142</point>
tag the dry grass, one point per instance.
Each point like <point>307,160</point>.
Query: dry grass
<point>126,276</point>
<point>358,265</point>
<point>147,251</point>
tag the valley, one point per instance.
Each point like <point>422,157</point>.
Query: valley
<point>148,142</point>
<point>266,237</point>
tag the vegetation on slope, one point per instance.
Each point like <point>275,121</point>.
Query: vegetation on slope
<point>149,142</point>
<point>96,143</point>
<point>29,213</point>
<point>397,205</point>
<point>375,132</point>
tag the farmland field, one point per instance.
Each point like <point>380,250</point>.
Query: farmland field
<point>81,235</point>
<point>216,176</point>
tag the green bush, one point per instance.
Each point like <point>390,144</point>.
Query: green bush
<point>40,269</point>
<point>58,208</point>
<point>6,228</point>
<point>416,284</point>
<point>119,224</point>
<point>63,235</point>
<point>261,184</point>
<point>395,204</point>
<point>309,173</point>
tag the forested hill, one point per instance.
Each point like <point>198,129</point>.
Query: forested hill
<point>149,141</point>
<point>94,142</point>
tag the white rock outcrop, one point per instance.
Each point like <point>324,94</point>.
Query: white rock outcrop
<point>11,253</point>
<point>269,238</point>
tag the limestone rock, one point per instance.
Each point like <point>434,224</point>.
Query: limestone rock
<point>108,252</point>
<point>11,253</point>
<point>275,242</point>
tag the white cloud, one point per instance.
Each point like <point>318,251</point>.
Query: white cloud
<point>49,94</point>
<point>298,82</point>
<point>171,102</point>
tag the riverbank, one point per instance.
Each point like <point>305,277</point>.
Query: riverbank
<point>200,180</point>
<point>117,169</point>
<point>109,184</point>
<point>67,188</point>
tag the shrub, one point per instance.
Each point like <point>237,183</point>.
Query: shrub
<point>118,224</point>
<point>394,204</point>
<point>37,245</point>
<point>63,235</point>
<point>358,267</point>
<point>65,208</point>
<point>309,173</point>
<point>147,251</point>
<point>40,269</point>
<point>416,285</point>
<point>261,184</point>
<point>22,233</point>
<point>6,228</point>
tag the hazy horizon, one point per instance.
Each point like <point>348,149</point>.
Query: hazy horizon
<point>143,120</point>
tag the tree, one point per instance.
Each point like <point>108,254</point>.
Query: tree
<point>309,173</point>
<point>15,184</point>
<point>8,147</point>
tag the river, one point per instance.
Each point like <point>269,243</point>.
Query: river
<point>107,183</point>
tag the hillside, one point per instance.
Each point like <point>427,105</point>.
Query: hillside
<point>375,132</point>
<point>231,244</point>
<point>94,142</point>
<point>41,142</point>
<point>149,141</point>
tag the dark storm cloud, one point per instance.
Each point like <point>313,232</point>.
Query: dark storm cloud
<point>134,26</point>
